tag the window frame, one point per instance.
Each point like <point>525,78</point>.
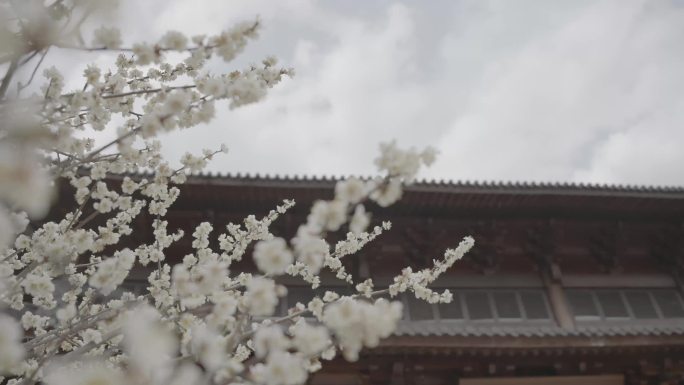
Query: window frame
<point>623,293</point>
<point>459,295</point>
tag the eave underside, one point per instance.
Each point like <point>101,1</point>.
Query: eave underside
<point>408,360</point>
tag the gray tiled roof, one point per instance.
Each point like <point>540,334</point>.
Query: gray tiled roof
<point>500,186</point>
<point>598,329</point>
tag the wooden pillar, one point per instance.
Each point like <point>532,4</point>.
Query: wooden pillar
<point>559,303</point>
<point>668,248</point>
<point>398,374</point>
<point>540,245</point>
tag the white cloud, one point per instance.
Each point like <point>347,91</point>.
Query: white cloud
<point>546,108</point>
<point>346,97</point>
<point>531,90</point>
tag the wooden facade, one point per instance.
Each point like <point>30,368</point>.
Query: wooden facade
<point>567,284</point>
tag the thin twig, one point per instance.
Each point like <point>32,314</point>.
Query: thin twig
<point>150,91</point>
<point>21,87</point>
<point>91,156</point>
<point>29,57</point>
<point>305,311</point>
<point>8,77</point>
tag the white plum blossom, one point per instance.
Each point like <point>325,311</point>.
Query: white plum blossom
<point>387,193</point>
<point>150,344</point>
<point>309,339</point>
<point>214,86</point>
<point>330,296</point>
<point>245,90</point>
<point>193,163</point>
<point>89,373</point>
<point>107,37</point>
<point>328,215</point>
<point>429,155</point>
<point>66,313</point>
<point>310,250</point>
<point>92,74</point>
<point>272,256</point>
<point>150,125</point>
<point>350,190</point>
<point>207,346</point>
<point>261,297</point>
<point>174,40</point>
<point>232,42</point>
<point>225,306</point>
<point>11,348</point>
<point>7,231</point>
<point>358,323</point>
<point>34,321</point>
<point>268,339</point>
<point>365,288</point>
<point>359,220</point>
<point>398,162</point>
<point>418,282</point>
<point>176,102</point>
<point>39,286</point>
<point>23,180</point>
<point>211,275</point>
<point>186,374</point>
<point>112,271</point>
<point>144,53</point>
<point>281,368</point>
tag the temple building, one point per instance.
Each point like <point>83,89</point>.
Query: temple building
<point>567,284</point>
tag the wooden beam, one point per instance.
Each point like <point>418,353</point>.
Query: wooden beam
<point>608,379</point>
<point>519,344</point>
<point>323,378</point>
<point>619,280</point>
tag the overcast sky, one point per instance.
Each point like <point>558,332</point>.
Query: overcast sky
<point>579,91</point>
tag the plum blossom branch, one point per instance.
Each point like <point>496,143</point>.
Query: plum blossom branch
<point>76,316</point>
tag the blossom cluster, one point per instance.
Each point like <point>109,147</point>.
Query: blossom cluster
<point>66,313</point>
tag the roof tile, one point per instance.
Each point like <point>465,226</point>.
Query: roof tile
<point>431,328</point>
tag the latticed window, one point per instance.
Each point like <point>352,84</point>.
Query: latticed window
<point>468,305</point>
<point>484,306</point>
<point>612,304</point>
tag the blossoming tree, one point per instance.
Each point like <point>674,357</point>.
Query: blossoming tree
<point>64,318</point>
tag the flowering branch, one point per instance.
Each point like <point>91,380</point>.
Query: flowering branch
<point>65,314</point>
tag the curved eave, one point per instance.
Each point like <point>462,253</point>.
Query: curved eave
<point>450,186</point>
<point>503,343</point>
<point>452,198</point>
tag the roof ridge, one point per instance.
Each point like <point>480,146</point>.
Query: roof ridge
<point>450,183</point>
